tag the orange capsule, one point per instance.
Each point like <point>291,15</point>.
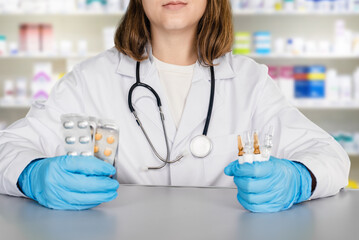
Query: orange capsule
<point>107,152</point>
<point>110,140</point>
<point>96,149</point>
<point>98,136</point>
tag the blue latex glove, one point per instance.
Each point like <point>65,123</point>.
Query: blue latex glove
<point>270,186</point>
<point>69,182</point>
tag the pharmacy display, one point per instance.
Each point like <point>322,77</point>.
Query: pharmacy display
<point>113,6</point>
<point>38,39</point>
<point>16,91</point>
<point>296,5</point>
<point>346,42</point>
<point>317,82</point>
<point>64,6</point>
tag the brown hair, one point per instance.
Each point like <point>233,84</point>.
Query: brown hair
<point>214,32</point>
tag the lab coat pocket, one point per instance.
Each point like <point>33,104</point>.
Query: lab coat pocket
<point>225,150</point>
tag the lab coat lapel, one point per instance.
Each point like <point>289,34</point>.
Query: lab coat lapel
<point>196,108</point>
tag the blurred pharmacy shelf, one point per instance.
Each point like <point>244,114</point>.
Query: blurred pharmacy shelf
<point>255,56</point>
<point>235,13</point>
<point>15,106</point>
<point>45,56</point>
<point>323,105</point>
<point>305,56</point>
<point>292,13</point>
<point>306,106</point>
<point>354,155</point>
<point>91,14</point>
<point>332,108</point>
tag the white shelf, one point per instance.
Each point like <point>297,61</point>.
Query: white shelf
<point>324,104</point>
<point>292,13</point>
<point>327,107</point>
<point>313,106</point>
<point>77,13</point>
<point>235,13</point>
<point>44,56</point>
<point>304,56</point>
<point>14,106</point>
<point>255,56</point>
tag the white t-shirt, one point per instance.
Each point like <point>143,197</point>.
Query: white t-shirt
<point>177,81</point>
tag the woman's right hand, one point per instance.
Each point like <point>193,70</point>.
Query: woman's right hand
<point>69,182</point>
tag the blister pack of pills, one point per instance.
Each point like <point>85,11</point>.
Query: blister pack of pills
<point>88,136</point>
<point>106,141</point>
<point>254,150</point>
<point>78,140</point>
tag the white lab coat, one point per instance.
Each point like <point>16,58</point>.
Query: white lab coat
<point>246,98</point>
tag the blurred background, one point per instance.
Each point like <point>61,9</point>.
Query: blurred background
<point>310,46</point>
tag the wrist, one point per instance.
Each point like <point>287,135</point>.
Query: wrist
<point>314,181</point>
<point>24,180</point>
<point>306,183</point>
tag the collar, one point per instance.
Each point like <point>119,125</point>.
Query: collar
<point>127,67</point>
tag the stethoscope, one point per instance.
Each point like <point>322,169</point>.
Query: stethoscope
<point>200,146</point>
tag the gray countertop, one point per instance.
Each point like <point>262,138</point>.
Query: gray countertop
<point>142,212</point>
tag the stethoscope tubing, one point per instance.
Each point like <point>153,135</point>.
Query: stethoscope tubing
<point>159,105</point>
<point>211,101</point>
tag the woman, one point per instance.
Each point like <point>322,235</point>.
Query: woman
<point>177,43</point>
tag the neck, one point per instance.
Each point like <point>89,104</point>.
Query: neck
<point>174,47</point>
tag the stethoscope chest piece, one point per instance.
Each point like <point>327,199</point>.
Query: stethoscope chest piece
<point>201,146</point>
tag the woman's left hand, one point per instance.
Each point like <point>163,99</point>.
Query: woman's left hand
<point>270,186</point>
